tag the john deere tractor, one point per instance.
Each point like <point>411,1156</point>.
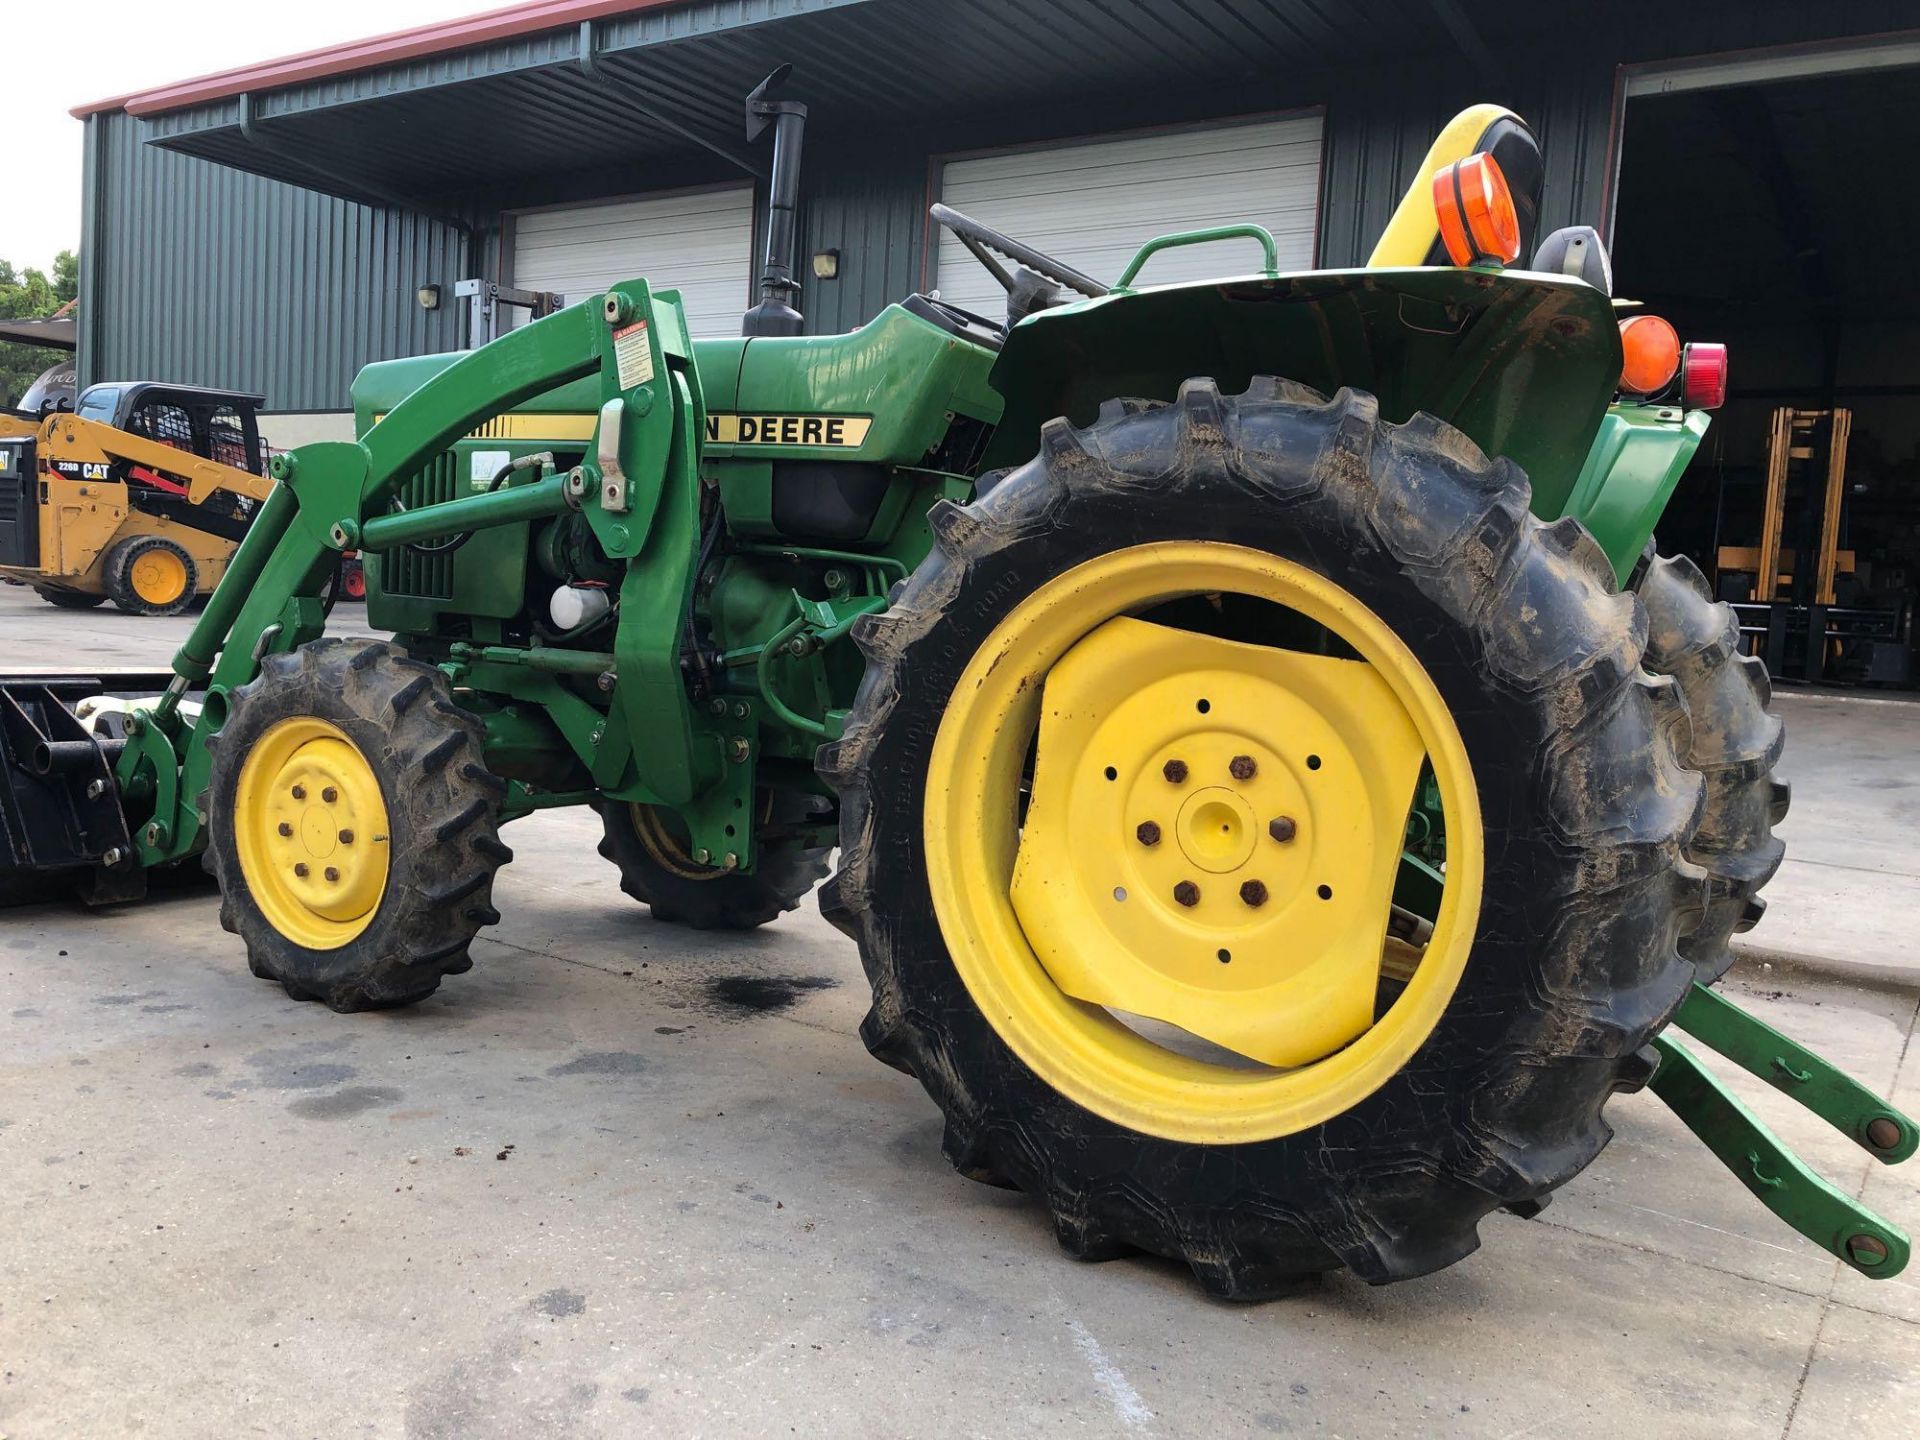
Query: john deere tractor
<point>1281,796</point>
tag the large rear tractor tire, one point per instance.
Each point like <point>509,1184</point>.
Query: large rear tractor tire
<point>1123,797</point>
<point>1735,744</point>
<point>150,575</point>
<point>353,825</point>
<point>655,868</point>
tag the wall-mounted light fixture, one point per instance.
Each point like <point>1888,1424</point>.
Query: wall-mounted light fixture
<point>429,296</point>
<point>826,264</point>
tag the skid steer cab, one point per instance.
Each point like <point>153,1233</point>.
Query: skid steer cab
<point>1281,794</point>
<point>138,496</point>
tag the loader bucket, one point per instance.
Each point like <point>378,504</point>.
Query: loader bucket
<point>61,822</point>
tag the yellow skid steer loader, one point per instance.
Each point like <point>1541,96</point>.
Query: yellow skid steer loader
<point>139,496</point>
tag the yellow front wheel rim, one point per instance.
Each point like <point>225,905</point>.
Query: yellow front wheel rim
<point>158,576</point>
<point>310,826</point>
<point>1050,951</point>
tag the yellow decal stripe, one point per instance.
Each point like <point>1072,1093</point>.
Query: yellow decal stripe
<point>531,427</point>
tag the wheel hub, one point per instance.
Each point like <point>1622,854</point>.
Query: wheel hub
<point>158,577</point>
<point>1216,829</point>
<point>1213,836</point>
<point>310,825</point>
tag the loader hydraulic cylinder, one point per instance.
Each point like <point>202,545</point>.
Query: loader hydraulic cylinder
<point>474,512</point>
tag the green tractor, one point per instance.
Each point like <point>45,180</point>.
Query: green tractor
<point>1280,795</point>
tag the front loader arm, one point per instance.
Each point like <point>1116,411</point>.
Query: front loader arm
<point>334,496</point>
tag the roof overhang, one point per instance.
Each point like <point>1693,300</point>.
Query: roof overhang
<point>601,97</point>
<point>61,334</point>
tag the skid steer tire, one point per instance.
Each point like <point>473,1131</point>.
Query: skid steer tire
<point>437,800</point>
<point>150,575</point>
<point>655,871</point>
<point>70,599</point>
<point>1573,965</point>
<point>1735,744</point>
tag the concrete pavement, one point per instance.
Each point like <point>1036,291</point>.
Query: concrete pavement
<point>624,1180</point>
<point>1847,897</point>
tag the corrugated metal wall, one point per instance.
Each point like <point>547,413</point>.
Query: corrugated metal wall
<point>204,275</point>
<point>870,204</point>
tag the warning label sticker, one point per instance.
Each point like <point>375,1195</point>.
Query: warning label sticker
<point>633,354</point>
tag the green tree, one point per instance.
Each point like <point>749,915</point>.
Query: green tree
<point>30,295</point>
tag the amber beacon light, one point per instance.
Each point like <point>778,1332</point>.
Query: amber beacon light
<point>1478,223</point>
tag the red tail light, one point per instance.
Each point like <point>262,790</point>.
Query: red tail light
<point>1703,372</point>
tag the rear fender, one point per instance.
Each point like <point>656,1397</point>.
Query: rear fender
<point>1636,461</point>
<point>1524,364</point>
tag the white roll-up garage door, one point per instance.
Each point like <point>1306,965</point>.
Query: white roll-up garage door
<point>1093,204</point>
<point>697,242</point>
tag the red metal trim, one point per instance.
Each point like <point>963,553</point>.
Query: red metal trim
<point>402,45</point>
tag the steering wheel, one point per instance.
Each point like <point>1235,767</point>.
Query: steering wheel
<point>983,241</point>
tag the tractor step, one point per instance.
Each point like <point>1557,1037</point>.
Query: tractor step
<point>1758,1158</point>
<point>61,823</point>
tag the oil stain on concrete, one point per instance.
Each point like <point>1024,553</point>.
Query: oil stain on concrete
<point>301,1067</point>
<point>741,995</point>
<point>602,1062</point>
<point>557,1303</point>
<point>344,1104</point>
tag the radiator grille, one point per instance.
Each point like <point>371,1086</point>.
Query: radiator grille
<point>428,575</point>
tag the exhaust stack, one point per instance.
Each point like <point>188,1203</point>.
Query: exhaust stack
<point>775,314</point>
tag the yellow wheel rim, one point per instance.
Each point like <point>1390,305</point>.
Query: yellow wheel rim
<point>650,827</point>
<point>310,825</point>
<point>158,576</point>
<point>1057,923</point>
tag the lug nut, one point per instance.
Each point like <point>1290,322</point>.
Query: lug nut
<point>1254,893</point>
<point>1147,833</point>
<point>285,828</point>
<point>1882,1133</point>
<point>1242,767</point>
<point>346,837</point>
<point>1187,893</point>
<point>332,874</point>
<point>300,869</point>
<point>1175,771</point>
<point>329,795</point>
<point>1282,828</point>
<point>299,792</point>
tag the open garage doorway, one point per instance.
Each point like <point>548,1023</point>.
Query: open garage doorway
<point>1777,208</point>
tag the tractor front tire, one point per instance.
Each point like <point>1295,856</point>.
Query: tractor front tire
<point>69,599</point>
<point>150,575</point>
<point>656,870</point>
<point>353,825</point>
<point>1558,965</point>
<point>1735,742</point>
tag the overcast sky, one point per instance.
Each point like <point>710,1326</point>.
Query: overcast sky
<point>63,53</point>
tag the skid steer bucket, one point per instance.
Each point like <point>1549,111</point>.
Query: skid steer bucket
<point>61,822</point>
